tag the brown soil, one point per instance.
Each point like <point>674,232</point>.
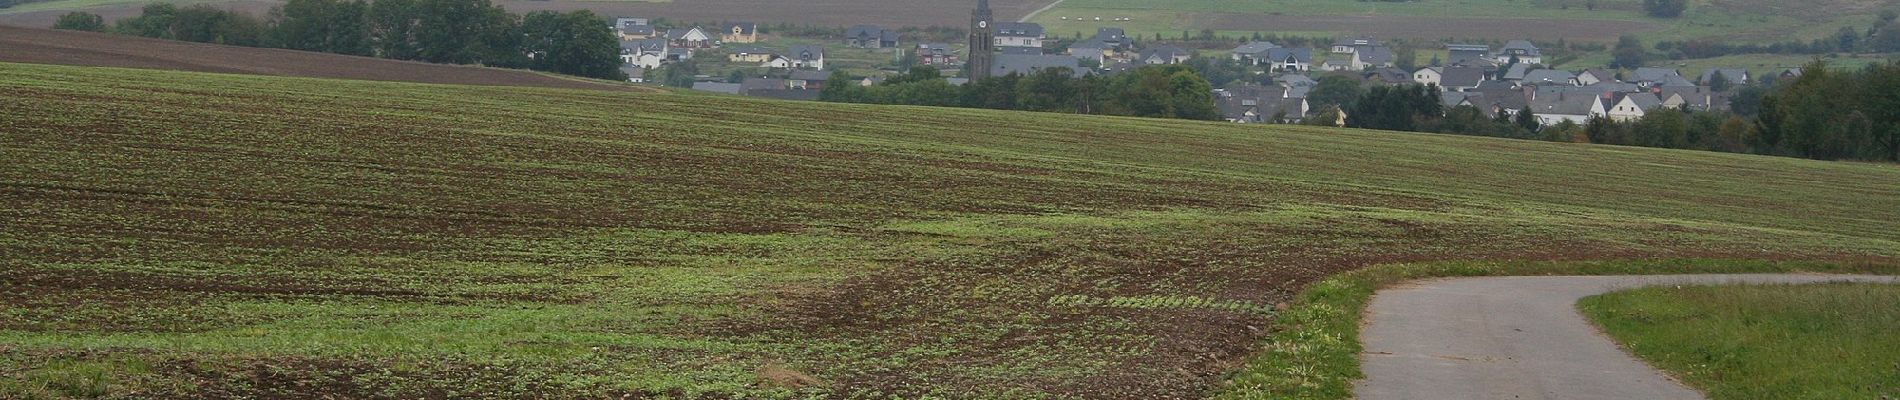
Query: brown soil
<point>890,13</point>
<point>45,46</point>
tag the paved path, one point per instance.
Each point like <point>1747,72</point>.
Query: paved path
<point>1033,14</point>
<point>1515,338</point>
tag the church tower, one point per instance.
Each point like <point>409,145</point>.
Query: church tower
<point>982,42</point>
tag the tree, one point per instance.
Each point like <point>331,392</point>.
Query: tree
<point>393,28</point>
<point>1335,90</point>
<point>1661,128</point>
<point>1665,8</point>
<point>1527,121</point>
<point>1718,82</point>
<point>1396,108</point>
<point>576,43</point>
<point>81,21</point>
<point>1629,53</point>
<point>1046,90</point>
<point>1888,16</point>
<point>1849,39</point>
<point>334,26</point>
<point>154,21</point>
<point>679,74</point>
<point>1193,97</point>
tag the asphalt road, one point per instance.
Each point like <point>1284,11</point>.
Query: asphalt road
<point>1516,338</point>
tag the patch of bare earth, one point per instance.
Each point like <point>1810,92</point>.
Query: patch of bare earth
<point>46,46</point>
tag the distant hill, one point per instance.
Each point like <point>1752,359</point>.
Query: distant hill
<point>47,46</point>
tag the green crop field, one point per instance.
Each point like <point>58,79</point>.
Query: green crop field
<point>1833,341</point>
<point>188,235</point>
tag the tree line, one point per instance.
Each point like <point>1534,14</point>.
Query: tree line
<point>440,31</point>
<point>1824,114</point>
<point>1161,91</point>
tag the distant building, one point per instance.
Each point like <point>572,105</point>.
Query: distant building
<point>749,54</point>
<point>740,32</point>
<point>691,38</point>
<point>935,54</point>
<point>1468,55</point>
<point>806,57</point>
<point>1019,34</point>
<point>1026,64</point>
<point>1522,50</point>
<point>1254,53</point>
<point>982,59</point>
<point>631,29</point>
<point>1290,59</point>
<point>1164,54</point>
<point>870,37</point>
<point>1349,45</point>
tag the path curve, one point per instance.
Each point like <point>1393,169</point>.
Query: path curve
<point>1517,338</point>
<point>1033,14</point>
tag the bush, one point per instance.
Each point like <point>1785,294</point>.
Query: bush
<point>1665,8</point>
<point>80,21</point>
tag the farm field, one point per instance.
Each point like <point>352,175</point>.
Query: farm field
<point>47,46</point>
<point>1548,20</point>
<point>192,235</point>
<point>891,13</point>
<point>1832,341</point>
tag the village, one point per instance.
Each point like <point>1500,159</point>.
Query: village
<point>741,58</point>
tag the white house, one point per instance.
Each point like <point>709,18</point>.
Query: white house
<point>1573,107</point>
<point>806,57</point>
<point>1428,76</point>
<point>1019,34</point>
<point>1632,106</point>
<point>1523,50</point>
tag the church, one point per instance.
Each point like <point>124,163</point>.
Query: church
<point>982,42</point>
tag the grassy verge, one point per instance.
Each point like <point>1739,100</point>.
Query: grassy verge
<point>1314,351</point>
<point>1826,341</point>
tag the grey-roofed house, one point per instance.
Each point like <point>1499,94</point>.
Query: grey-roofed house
<point>718,87</point>
<point>1733,75</point>
<point>938,54</point>
<point>1467,54</point>
<point>1388,76</point>
<point>1026,64</point>
<point>870,37</point>
<point>1523,50</point>
<point>1019,34</point>
<point>1577,108</point>
<point>806,57</point>
<point>1348,45</point>
<point>807,79</point>
<point>1594,76</point>
<point>635,73</point>
<point>1092,49</point>
<point>1030,51</point>
<point>1550,77</point>
<point>1164,54</point>
<point>1694,97</point>
<point>1461,78</point>
<point>1373,57</point>
<point>1253,53</point>
<point>1515,73</point>
<point>1632,106</point>
<point>1654,77</point>
<point>1290,59</point>
<point>1112,36</point>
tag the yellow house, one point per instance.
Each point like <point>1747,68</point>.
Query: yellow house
<point>743,32</point>
<point>749,55</point>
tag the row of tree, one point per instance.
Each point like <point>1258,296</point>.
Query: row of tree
<point>1163,91</point>
<point>440,31</point>
<point>1825,114</point>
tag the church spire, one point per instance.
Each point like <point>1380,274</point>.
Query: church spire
<point>982,42</point>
